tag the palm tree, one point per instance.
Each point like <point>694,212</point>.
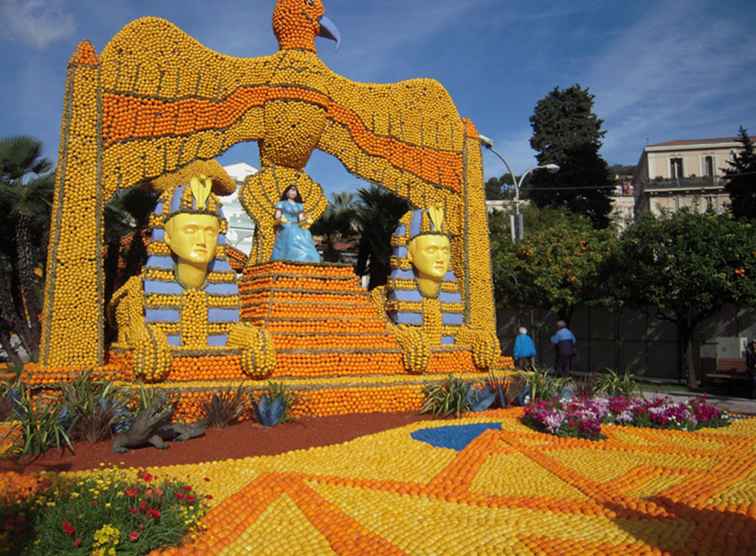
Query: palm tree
<point>26,189</point>
<point>378,214</point>
<point>336,223</point>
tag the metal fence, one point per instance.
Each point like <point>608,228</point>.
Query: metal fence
<point>629,339</point>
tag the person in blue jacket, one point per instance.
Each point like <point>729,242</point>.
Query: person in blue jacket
<point>564,341</point>
<point>524,350</point>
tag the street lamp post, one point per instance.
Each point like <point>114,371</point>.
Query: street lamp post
<point>516,221</point>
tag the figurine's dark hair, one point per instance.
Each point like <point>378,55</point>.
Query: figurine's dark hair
<point>285,191</point>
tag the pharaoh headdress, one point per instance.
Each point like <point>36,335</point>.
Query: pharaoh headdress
<point>176,311</point>
<point>405,302</point>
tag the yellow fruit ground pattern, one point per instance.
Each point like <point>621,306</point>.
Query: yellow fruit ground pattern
<point>508,491</point>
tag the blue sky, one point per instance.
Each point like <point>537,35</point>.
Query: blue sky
<point>660,70</point>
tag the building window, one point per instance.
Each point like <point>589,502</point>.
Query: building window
<point>709,203</point>
<point>709,166</point>
<point>676,168</point>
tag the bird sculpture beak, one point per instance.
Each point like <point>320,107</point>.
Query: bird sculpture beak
<point>328,30</point>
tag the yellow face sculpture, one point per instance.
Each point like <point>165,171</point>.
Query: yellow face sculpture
<point>430,255</point>
<point>193,238</point>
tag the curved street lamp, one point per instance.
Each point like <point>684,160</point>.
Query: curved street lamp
<point>517,224</point>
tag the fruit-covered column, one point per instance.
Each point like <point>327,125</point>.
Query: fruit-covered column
<point>74,280</point>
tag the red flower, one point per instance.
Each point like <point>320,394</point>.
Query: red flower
<point>134,536</point>
<point>77,543</point>
<point>154,513</point>
<point>186,488</point>
<point>146,477</point>
<point>133,510</point>
<point>208,497</point>
<point>191,499</point>
<point>132,492</point>
<point>143,505</point>
<point>69,529</point>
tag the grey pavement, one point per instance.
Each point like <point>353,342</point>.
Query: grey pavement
<point>743,406</point>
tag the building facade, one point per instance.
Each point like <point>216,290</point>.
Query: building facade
<point>687,173</point>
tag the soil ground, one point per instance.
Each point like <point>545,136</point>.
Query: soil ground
<point>237,441</point>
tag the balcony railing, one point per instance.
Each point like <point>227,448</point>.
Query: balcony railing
<point>692,182</point>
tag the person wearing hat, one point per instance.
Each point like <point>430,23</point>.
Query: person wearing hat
<point>564,341</point>
<point>524,350</point>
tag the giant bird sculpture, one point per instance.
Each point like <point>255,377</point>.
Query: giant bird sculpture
<point>155,99</point>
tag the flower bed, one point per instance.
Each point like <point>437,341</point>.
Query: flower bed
<point>582,418</point>
<point>108,512</point>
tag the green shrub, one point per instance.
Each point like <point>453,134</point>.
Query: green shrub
<point>446,398</point>
<point>544,385</point>
<point>612,383</point>
<point>109,510</point>
<point>224,407</point>
<point>279,389</point>
<point>93,408</point>
<point>42,423</point>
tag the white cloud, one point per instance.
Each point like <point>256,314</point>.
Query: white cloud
<point>37,23</point>
<point>669,74</point>
<point>373,39</point>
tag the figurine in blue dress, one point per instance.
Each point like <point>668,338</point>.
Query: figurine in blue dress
<point>293,241</point>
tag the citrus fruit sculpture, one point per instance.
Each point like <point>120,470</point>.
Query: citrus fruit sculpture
<point>153,106</point>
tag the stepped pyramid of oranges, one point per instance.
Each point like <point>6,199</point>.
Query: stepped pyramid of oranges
<point>323,323</point>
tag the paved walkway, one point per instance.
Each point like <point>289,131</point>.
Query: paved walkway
<point>743,406</point>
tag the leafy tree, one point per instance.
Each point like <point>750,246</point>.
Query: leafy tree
<point>556,266</point>
<point>126,225</point>
<point>378,214</point>
<point>686,266</point>
<point>26,186</point>
<point>621,170</point>
<point>567,132</point>
<point>741,178</point>
<point>500,188</point>
<point>336,223</point>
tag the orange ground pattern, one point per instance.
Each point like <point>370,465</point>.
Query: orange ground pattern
<point>509,491</point>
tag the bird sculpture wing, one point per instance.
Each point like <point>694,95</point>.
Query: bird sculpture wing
<point>407,136</point>
<point>167,100</point>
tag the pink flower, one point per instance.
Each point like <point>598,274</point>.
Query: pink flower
<point>134,536</point>
<point>77,543</point>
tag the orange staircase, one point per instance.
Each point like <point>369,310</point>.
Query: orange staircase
<point>324,324</point>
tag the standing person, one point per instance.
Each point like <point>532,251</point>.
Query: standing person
<point>751,358</point>
<point>564,341</point>
<point>524,350</point>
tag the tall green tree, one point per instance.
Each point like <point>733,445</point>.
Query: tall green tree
<point>741,178</point>
<point>685,267</point>
<point>26,188</point>
<point>336,223</point>
<point>499,188</point>
<point>558,264</point>
<point>127,217</point>
<point>378,214</point>
<point>567,132</point>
